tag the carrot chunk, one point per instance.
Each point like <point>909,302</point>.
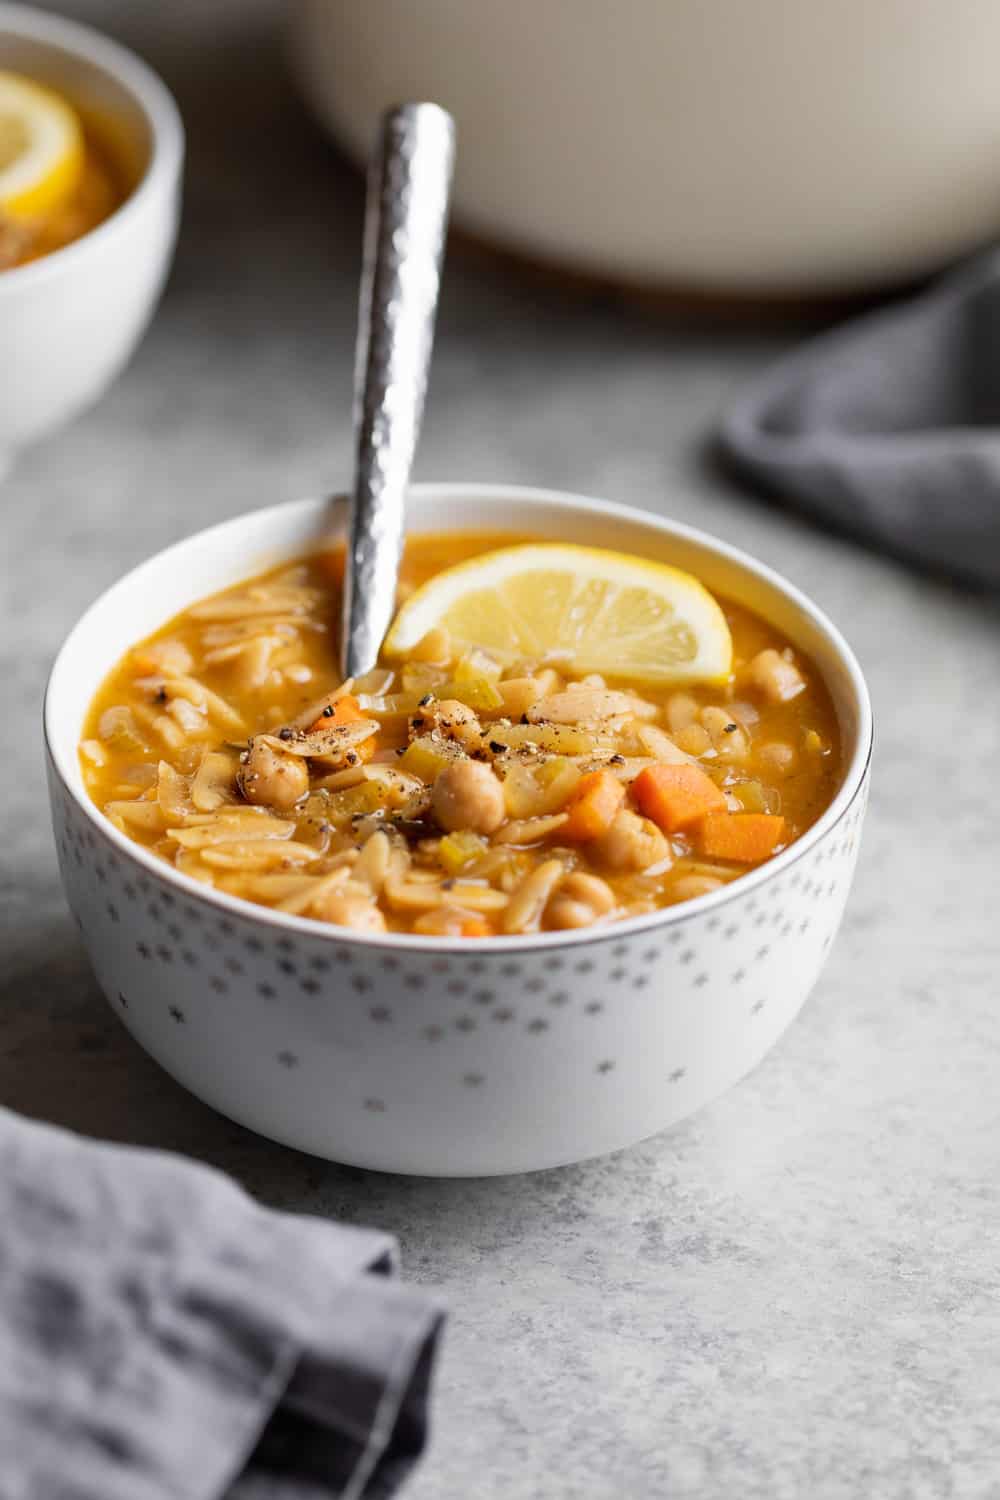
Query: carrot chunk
<point>473,927</point>
<point>595,801</point>
<point>676,797</point>
<point>746,838</point>
<point>346,710</point>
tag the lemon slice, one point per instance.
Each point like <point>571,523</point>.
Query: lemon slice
<point>593,610</point>
<point>41,149</point>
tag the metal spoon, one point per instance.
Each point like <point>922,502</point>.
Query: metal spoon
<point>406,216</point>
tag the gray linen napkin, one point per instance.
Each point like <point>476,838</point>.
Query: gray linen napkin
<point>889,426</point>
<point>163,1337</point>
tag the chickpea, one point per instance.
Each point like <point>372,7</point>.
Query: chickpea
<point>269,779</point>
<point>631,843</point>
<point>778,757</point>
<point>775,676</point>
<point>347,910</point>
<point>467,795</point>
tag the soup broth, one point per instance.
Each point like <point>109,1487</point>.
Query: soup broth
<point>101,189</point>
<point>446,794</point>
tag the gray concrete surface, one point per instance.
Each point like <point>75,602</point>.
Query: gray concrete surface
<point>795,1294</point>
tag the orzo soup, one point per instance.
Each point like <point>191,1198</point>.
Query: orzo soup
<point>614,742</point>
<point>59,176</point>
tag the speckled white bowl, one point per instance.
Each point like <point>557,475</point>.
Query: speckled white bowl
<point>443,1056</point>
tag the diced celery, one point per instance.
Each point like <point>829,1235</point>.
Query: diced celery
<point>398,703</point>
<point>422,677</point>
<point>375,683</point>
<point>533,791</point>
<point>425,757</point>
<point>457,849</point>
<point>475,665</point>
<point>356,801</point>
<point>754,797</point>
<point>519,694</point>
<point>557,778</point>
<point>477,693</point>
<point>521,791</point>
<point>750,796</point>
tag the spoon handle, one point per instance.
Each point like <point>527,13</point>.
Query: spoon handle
<point>406,218</point>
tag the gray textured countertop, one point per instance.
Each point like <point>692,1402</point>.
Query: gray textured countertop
<point>794,1293</point>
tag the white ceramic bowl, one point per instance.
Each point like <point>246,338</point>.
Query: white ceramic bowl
<point>435,1055</point>
<point>70,320</point>
<point>767,149</point>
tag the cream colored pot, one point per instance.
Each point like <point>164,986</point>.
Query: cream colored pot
<point>774,147</point>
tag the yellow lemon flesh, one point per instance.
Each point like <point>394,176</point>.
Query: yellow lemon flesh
<point>41,149</point>
<point>592,610</point>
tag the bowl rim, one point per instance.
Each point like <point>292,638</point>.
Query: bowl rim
<point>852,782</point>
<point>151,96</point>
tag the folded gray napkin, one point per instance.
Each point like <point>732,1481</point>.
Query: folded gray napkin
<point>163,1337</point>
<point>890,426</point>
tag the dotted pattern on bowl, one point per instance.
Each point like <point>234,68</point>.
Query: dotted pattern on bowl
<point>382,1027</point>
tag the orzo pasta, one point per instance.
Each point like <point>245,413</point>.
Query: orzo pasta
<point>448,793</point>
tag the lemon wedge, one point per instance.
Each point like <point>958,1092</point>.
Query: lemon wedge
<point>41,149</point>
<point>594,611</point>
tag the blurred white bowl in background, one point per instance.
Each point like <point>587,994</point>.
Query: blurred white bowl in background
<point>772,149</point>
<point>70,320</point>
